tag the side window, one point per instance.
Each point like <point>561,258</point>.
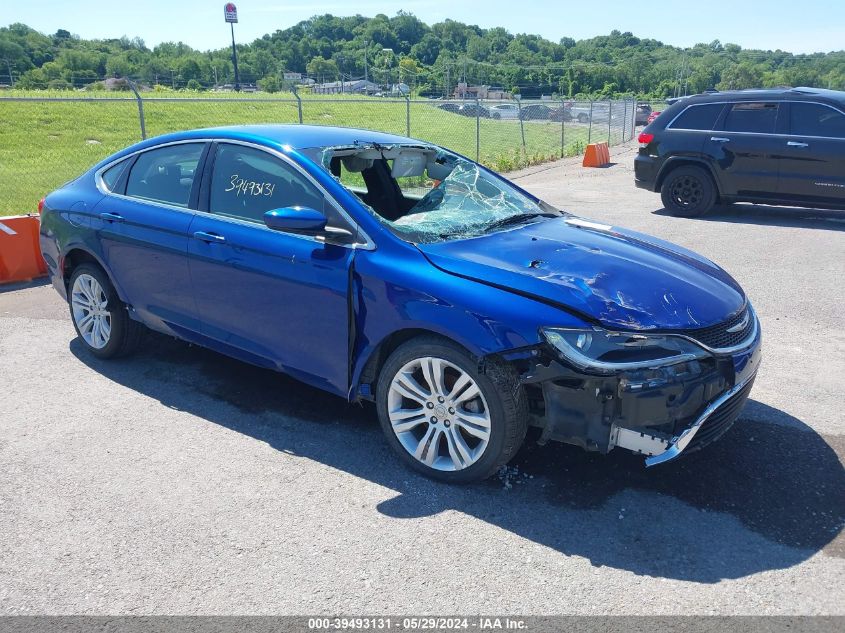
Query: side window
<point>247,182</point>
<point>113,174</point>
<point>759,118</point>
<point>165,174</point>
<point>814,119</point>
<point>698,117</point>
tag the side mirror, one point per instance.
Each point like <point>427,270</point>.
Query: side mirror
<point>296,220</point>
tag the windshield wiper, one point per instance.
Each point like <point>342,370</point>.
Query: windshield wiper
<point>517,219</point>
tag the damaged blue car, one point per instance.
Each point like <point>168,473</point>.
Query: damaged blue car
<point>383,268</point>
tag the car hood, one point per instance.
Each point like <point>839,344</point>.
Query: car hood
<point>620,278</point>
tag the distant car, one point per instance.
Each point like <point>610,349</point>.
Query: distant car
<point>464,314</point>
<point>653,116</point>
<point>504,111</point>
<point>563,113</point>
<point>585,113</point>
<point>450,107</point>
<point>643,113</point>
<point>474,110</point>
<point>781,146</point>
<point>534,111</point>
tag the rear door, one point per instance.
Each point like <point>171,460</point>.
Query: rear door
<point>747,150</point>
<point>143,230</point>
<point>813,164</point>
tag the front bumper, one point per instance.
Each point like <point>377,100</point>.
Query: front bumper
<point>658,413</point>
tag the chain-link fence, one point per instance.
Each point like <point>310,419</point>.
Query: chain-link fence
<point>45,141</point>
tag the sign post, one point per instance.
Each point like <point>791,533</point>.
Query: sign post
<point>230,12</point>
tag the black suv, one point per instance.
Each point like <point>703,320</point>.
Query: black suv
<point>783,146</point>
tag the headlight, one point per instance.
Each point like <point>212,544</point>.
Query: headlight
<point>602,351</point>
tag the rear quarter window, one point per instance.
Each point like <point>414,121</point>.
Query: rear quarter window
<point>698,117</point>
<point>112,175</point>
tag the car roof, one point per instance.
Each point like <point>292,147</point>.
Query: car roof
<point>293,136</point>
<point>795,94</point>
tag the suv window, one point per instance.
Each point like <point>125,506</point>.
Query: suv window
<point>753,117</point>
<point>247,182</point>
<point>815,119</point>
<point>698,117</point>
<point>165,174</point>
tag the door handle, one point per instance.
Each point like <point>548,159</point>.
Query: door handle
<point>209,237</point>
<point>719,139</point>
<point>111,217</point>
<point>797,144</point>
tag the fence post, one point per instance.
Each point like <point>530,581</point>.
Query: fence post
<point>408,114</point>
<point>609,119</point>
<point>521,123</point>
<point>140,108</point>
<point>562,129</point>
<point>477,131</point>
<point>590,129</point>
<point>298,103</point>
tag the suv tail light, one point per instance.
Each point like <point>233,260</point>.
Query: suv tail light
<point>40,206</point>
<point>645,139</point>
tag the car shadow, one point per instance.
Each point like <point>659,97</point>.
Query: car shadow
<point>23,285</point>
<point>761,214</point>
<point>768,495</point>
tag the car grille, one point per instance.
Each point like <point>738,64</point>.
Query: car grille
<point>718,337</point>
<point>720,420</point>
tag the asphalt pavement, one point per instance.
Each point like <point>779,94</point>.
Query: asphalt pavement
<point>179,481</point>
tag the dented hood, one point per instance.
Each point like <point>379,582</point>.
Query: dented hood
<point>620,278</point>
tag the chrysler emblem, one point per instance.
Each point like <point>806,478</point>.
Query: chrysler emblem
<point>739,326</point>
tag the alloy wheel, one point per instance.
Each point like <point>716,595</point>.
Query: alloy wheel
<point>89,304</point>
<point>439,414</point>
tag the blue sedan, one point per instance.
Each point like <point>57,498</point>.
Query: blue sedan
<point>383,268</point>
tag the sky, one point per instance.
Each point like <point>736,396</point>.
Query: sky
<point>802,26</point>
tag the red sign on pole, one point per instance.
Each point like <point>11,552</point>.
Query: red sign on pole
<point>231,12</point>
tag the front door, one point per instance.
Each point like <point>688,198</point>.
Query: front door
<point>272,298</point>
<point>813,164</point>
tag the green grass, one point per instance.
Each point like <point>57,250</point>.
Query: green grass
<point>46,143</point>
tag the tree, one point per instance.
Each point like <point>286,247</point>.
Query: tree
<point>322,70</point>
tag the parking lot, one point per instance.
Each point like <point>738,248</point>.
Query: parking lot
<point>181,481</point>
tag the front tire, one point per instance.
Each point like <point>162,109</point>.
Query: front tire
<point>446,418</point>
<point>99,316</point>
<point>688,192</point>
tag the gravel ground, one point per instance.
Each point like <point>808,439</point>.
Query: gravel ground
<point>183,482</point>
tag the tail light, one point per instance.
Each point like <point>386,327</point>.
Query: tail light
<point>40,206</point>
<point>645,139</point>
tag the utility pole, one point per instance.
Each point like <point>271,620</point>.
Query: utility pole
<point>230,13</point>
<point>9,66</point>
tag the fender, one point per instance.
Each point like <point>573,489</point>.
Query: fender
<point>673,161</point>
<point>400,292</point>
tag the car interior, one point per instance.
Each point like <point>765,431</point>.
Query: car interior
<point>390,180</point>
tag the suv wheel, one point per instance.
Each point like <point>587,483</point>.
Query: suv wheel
<point>688,192</point>
<point>99,316</point>
<point>444,417</point>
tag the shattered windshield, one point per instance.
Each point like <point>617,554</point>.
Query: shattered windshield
<point>450,197</point>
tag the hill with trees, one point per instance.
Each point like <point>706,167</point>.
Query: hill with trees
<point>431,59</point>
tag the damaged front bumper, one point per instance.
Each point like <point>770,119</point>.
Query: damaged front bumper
<point>659,412</point>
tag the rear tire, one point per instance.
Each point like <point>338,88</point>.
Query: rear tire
<point>100,318</point>
<point>460,424</point>
<point>688,192</point>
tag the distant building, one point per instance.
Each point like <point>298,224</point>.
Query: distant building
<point>358,86</point>
<point>297,77</point>
<point>465,91</point>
